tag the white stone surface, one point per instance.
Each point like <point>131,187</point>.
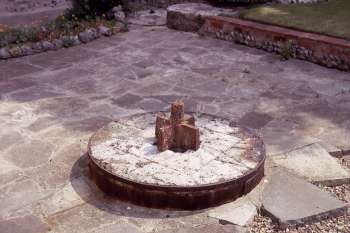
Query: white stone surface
<point>314,163</point>
<point>240,212</point>
<point>200,9</point>
<point>129,151</point>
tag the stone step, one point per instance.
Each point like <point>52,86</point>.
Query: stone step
<point>291,201</point>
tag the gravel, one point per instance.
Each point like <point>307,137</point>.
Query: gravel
<point>262,224</point>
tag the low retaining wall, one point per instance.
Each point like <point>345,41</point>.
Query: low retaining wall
<point>324,50</point>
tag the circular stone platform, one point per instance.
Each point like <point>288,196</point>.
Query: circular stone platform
<point>125,161</point>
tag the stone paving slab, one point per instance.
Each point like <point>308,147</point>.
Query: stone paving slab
<point>315,164</point>
<point>26,224</point>
<point>292,201</point>
<point>240,212</point>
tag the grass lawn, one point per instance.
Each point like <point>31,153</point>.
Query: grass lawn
<point>330,17</point>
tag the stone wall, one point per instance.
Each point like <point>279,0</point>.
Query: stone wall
<point>324,50</point>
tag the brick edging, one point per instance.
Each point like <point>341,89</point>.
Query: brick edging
<point>324,50</point>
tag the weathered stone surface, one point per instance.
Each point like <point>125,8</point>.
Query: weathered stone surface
<point>19,198</point>
<point>11,69</point>
<point>240,212</point>
<point>30,154</point>
<point>314,163</point>
<point>155,17</point>
<point>152,105</point>
<point>207,229</point>
<point>281,140</point>
<point>33,94</point>
<point>118,228</point>
<point>26,224</point>
<point>127,100</point>
<point>10,139</point>
<point>70,195</point>
<point>255,120</point>
<point>291,201</point>
<point>190,16</point>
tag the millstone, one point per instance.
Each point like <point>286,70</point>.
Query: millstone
<point>125,162</point>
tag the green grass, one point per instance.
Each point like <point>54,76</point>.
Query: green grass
<point>329,18</point>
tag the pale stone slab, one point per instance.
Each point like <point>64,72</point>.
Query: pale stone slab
<point>26,224</point>
<point>314,163</point>
<point>279,142</point>
<point>292,201</point>
<point>240,212</point>
<point>70,195</point>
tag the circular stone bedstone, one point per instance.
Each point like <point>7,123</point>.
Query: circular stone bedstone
<point>125,162</point>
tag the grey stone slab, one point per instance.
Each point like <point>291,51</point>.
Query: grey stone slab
<point>280,141</point>
<point>127,101</point>
<point>315,164</point>
<point>117,228</point>
<point>292,201</point>
<point>240,212</point>
<point>41,124</point>
<point>255,120</point>
<point>10,138</point>
<point>34,93</point>
<point>63,107</point>
<point>30,154</point>
<point>7,86</point>
<point>19,198</point>
<point>89,124</point>
<point>26,224</point>
<point>11,69</point>
<point>217,228</point>
<point>62,58</point>
<point>152,105</point>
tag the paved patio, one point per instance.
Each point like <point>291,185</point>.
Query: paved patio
<point>51,103</point>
